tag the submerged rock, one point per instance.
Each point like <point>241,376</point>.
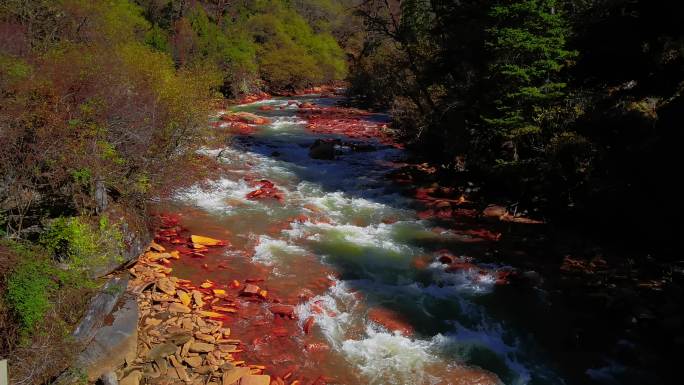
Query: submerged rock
<point>323,149</point>
<point>391,320</point>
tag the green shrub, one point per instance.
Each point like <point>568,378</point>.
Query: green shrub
<point>29,288</point>
<point>74,241</point>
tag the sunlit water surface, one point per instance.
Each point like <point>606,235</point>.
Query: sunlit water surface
<point>343,242</point>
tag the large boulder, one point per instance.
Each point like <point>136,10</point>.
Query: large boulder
<point>113,344</point>
<point>245,117</point>
<point>323,149</point>
<point>99,308</point>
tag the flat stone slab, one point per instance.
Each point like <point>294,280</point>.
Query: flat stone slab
<point>99,308</point>
<point>112,344</point>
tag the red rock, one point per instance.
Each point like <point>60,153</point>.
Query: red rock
<point>240,128</point>
<point>266,108</point>
<point>317,347</point>
<point>250,290</point>
<point>484,234</point>
<point>420,262</point>
<point>308,324</point>
<point>168,233</point>
<point>446,259</point>
<point>266,190</point>
<point>391,320</point>
<point>494,211</point>
<point>280,332</point>
<point>283,310</point>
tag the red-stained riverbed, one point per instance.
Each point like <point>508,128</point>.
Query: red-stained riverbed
<point>359,288</point>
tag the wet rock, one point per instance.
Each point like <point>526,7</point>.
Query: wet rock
<point>323,149</point>
<point>446,259</point>
<point>245,117</point>
<point>494,212</point>
<point>227,348</point>
<point>283,310</point>
<point>391,320</point>
<point>308,324</point>
<point>250,290</point>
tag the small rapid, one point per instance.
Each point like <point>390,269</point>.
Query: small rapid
<point>349,250</point>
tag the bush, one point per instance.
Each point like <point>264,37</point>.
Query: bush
<point>80,245</point>
<point>28,291</point>
<point>39,306</point>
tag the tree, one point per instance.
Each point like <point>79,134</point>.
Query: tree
<point>527,44</point>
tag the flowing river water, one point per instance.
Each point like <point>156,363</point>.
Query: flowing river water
<point>342,246</point>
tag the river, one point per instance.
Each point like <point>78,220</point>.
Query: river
<point>349,250</point>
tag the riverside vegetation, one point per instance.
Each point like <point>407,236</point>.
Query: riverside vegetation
<point>565,111</point>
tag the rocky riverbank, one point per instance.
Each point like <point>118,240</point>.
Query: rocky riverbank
<point>181,335</point>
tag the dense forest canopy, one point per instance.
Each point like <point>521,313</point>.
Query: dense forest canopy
<point>570,106</point>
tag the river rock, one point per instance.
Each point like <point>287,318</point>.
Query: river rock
<point>194,362</point>
<point>250,290</point>
<point>161,351</point>
<point>253,379</point>
<point>391,320</point>
<point>201,347</point>
<point>283,310</point>
<point>205,337</point>
<point>176,307</point>
<point>165,285</point>
<point>179,338</point>
<point>233,375</point>
<point>494,212</point>
<point>322,149</point>
<point>133,378</point>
